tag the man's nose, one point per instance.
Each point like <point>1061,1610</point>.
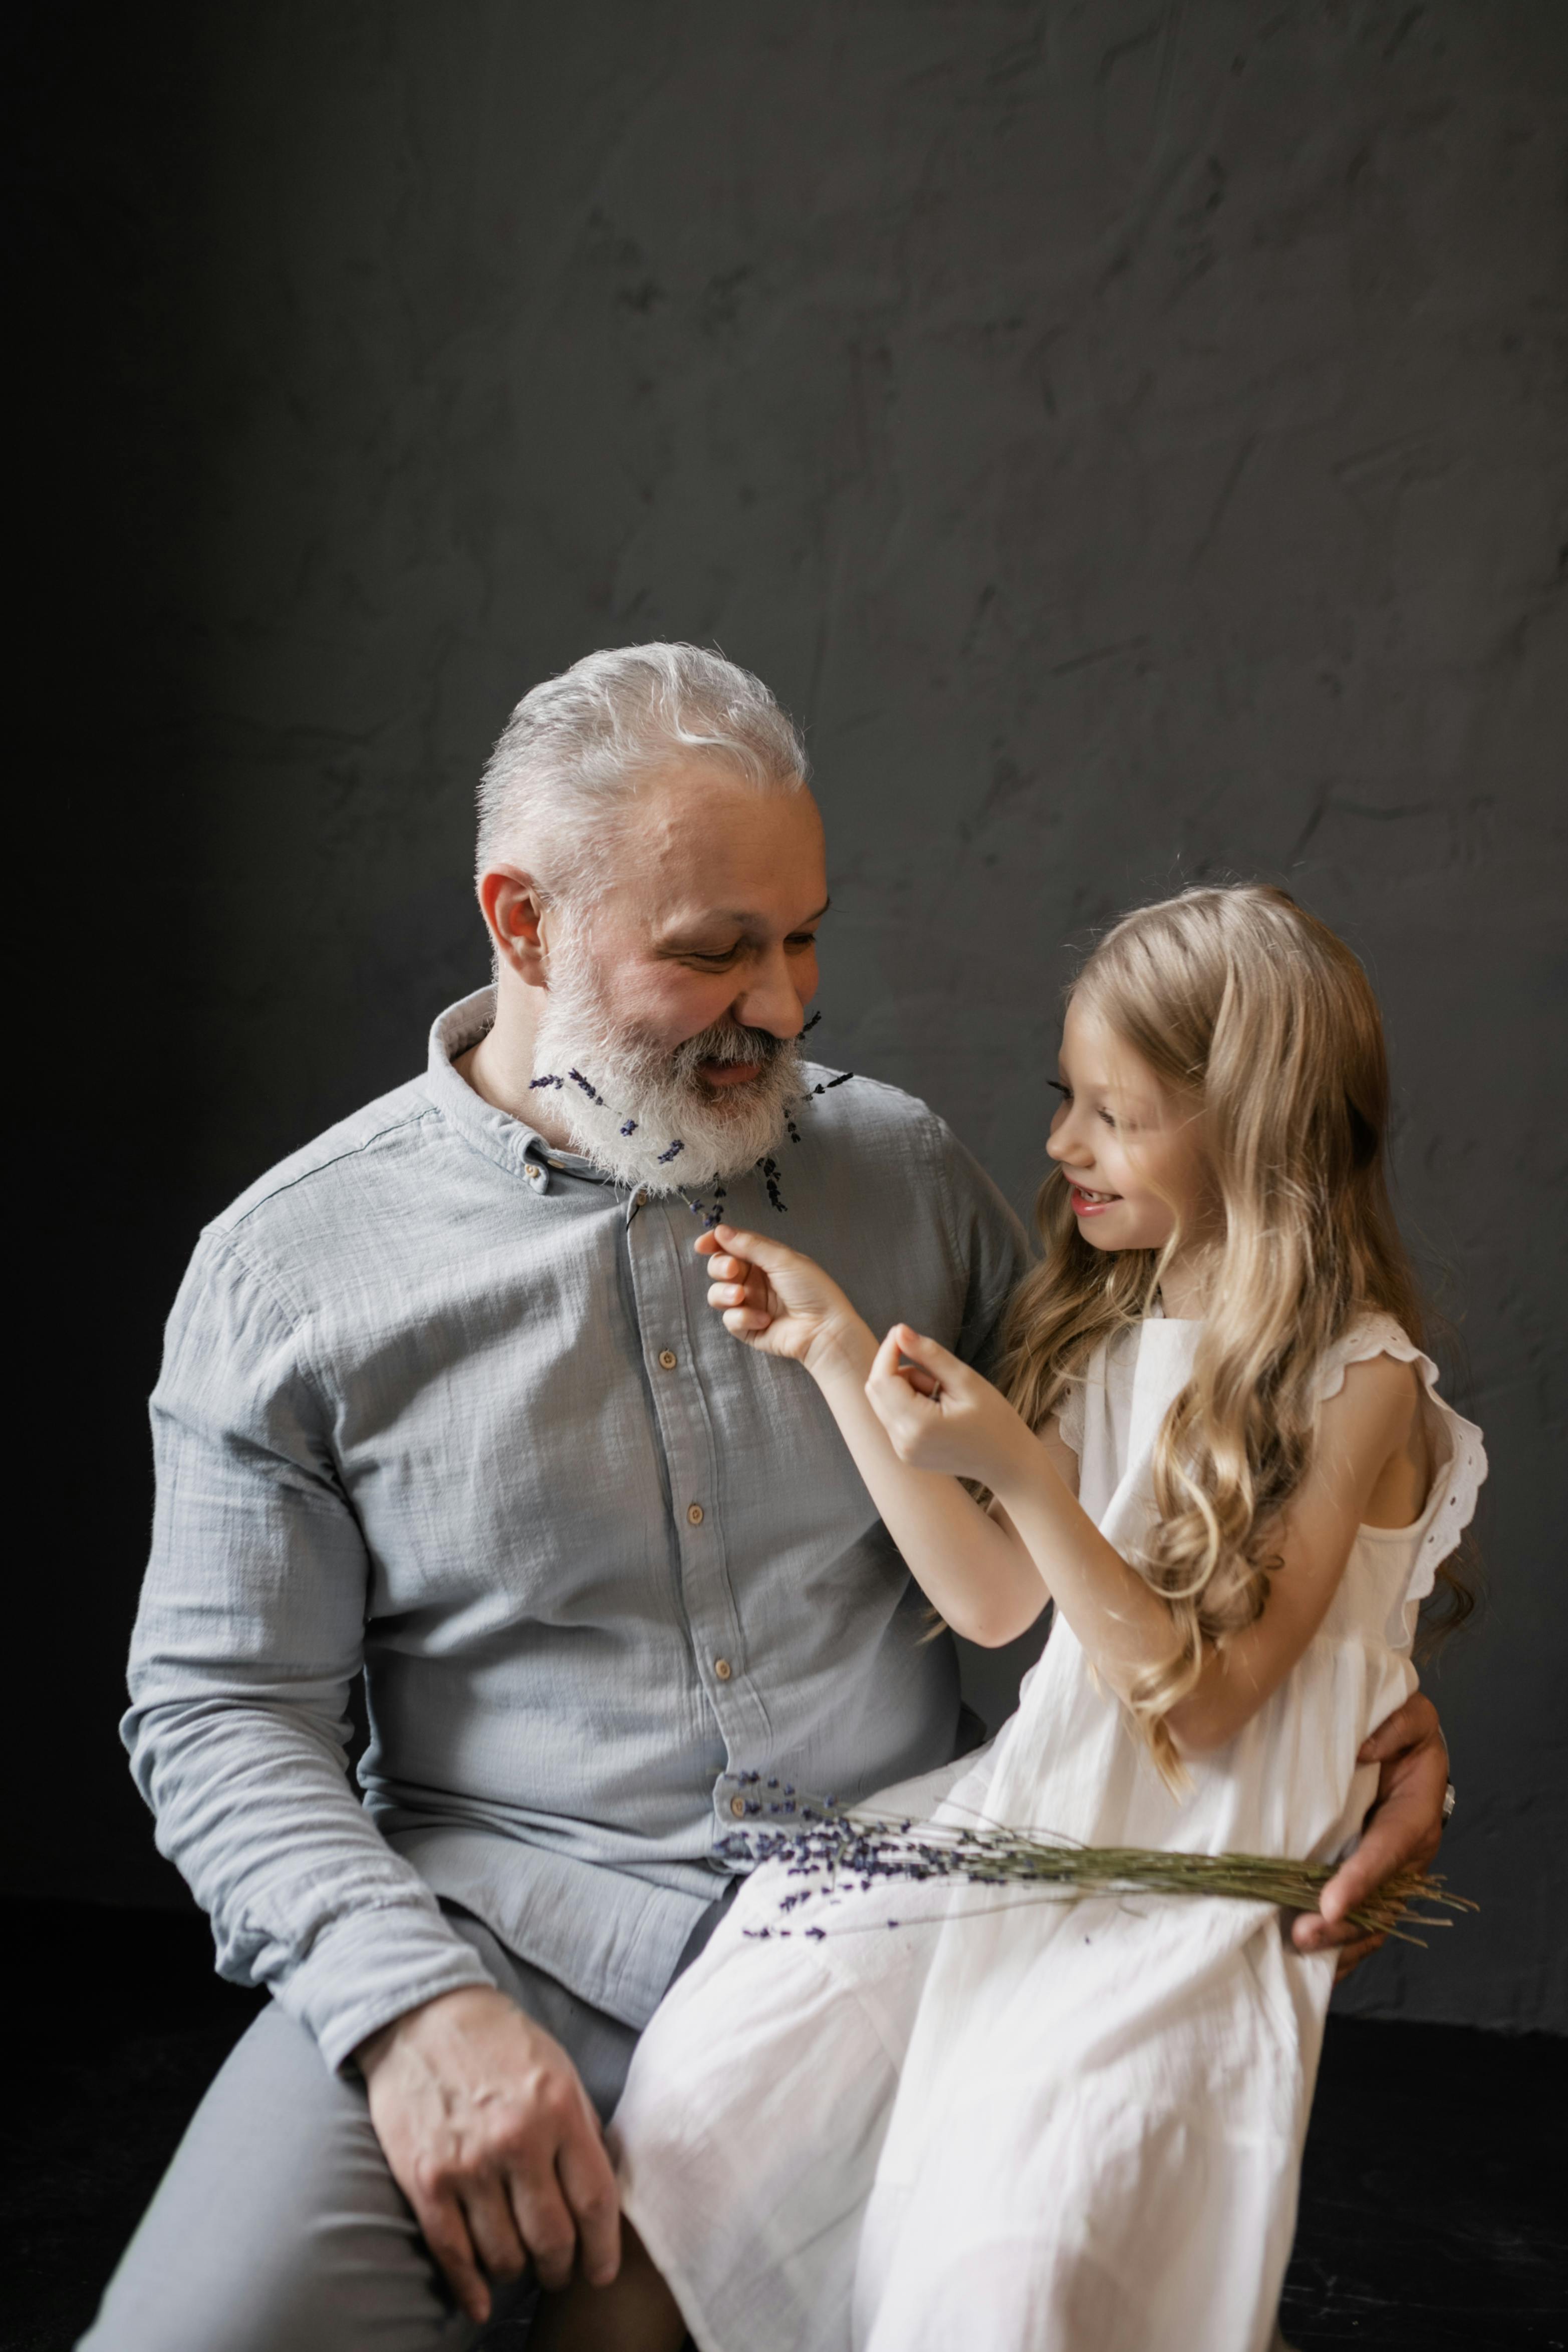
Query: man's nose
<point>771,1000</point>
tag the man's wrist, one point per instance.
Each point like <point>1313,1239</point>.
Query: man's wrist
<point>368,2054</point>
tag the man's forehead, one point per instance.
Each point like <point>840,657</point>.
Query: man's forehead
<point>711,848</point>
<point>702,808</point>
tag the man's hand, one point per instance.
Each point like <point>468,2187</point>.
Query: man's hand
<point>1402,1830</point>
<point>494,2142</point>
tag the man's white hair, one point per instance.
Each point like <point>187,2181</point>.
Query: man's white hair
<point>572,754</point>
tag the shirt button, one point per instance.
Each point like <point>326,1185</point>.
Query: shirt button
<point>722,1668</point>
<point>738,1807</point>
<point>694,1513</point>
<point>666,1358</point>
<point>533,1173</point>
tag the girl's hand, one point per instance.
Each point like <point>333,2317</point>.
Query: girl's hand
<point>778,1300</point>
<point>940,1415</point>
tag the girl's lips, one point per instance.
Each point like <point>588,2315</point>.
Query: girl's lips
<point>1089,1204</point>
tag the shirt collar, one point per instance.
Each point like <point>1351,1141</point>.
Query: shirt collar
<point>509,1143</point>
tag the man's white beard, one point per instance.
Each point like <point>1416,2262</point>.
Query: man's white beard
<point>654,1093</point>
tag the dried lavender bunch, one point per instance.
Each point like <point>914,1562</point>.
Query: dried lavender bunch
<point>831,1848</point>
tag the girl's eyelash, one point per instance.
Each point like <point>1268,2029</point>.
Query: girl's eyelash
<point>1065,1093</point>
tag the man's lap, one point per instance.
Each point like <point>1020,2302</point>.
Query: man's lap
<point>279,2228</point>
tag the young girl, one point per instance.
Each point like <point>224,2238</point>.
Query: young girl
<point>1007,2122</point>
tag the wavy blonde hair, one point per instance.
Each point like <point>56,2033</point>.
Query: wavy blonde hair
<point>1250,1009</point>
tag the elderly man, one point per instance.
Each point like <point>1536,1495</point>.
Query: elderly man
<point>441,1402</point>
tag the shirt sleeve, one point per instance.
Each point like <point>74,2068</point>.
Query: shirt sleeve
<point>249,1634</point>
<point>989,1244</point>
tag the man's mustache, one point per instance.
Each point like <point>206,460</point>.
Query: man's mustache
<point>726,1042</point>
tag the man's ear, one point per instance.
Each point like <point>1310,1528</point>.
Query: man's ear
<point>514,909</point>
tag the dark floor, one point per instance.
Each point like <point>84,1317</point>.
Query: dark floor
<point>1431,2212</point>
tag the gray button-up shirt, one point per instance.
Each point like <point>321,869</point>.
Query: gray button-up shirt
<point>443,1402</point>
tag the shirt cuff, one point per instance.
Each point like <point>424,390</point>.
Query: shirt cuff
<point>373,1967</point>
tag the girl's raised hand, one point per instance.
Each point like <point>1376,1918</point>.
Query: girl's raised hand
<point>776,1300</point>
<point>940,1415</point>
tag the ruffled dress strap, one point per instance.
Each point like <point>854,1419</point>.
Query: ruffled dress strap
<point>1461,1457</point>
<point>1122,1343</point>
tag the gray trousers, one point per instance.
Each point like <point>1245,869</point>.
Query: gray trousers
<point>279,2228</point>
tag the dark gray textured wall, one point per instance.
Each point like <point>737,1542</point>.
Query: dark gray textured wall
<point>1129,437</point>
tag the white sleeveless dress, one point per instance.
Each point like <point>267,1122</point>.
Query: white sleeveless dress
<point>1010,2123</point>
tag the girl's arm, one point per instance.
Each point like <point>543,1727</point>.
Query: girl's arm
<point>973,1567</point>
<point>952,1419</point>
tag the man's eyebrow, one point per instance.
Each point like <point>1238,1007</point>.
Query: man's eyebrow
<point>719,918</point>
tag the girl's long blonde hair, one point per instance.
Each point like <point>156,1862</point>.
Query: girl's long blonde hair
<point>1250,1009</point>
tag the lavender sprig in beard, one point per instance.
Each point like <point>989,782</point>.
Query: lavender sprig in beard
<point>646,1099</point>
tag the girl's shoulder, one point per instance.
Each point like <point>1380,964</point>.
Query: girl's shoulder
<point>1457,1452</point>
<point>1373,1379</point>
<point>1365,1339</point>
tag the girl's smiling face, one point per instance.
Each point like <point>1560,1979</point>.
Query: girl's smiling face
<point>1130,1149</point>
